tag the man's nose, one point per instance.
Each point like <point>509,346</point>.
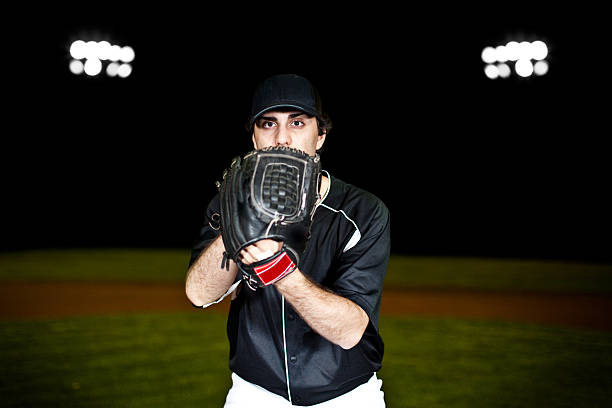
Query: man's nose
<point>283,138</point>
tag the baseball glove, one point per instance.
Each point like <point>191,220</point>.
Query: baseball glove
<point>269,193</point>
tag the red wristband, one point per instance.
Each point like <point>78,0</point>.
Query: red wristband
<point>275,269</point>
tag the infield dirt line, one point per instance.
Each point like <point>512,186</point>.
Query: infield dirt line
<point>27,300</point>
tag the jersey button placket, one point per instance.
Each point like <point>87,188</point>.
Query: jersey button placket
<point>290,358</point>
<point>291,317</point>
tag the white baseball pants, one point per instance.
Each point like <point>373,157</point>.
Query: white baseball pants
<point>244,394</point>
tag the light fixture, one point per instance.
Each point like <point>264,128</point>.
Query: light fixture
<point>90,57</point>
<point>527,58</point>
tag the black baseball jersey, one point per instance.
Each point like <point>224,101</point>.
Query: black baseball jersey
<point>271,346</point>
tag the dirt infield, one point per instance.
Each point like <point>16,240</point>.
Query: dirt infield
<point>23,300</point>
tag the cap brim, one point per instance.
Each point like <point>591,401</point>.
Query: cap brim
<point>284,105</point>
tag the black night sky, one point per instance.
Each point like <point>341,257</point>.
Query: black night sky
<point>467,166</point>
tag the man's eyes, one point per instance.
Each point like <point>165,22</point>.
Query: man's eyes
<point>267,124</point>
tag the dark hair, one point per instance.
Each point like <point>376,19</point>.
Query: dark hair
<point>324,124</point>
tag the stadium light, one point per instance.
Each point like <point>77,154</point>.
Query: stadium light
<point>539,50</point>
<point>93,66</point>
<point>527,58</point>
<point>489,55</point>
<point>127,54</point>
<point>76,67</point>
<point>540,68</point>
<point>523,67</point>
<point>504,70</point>
<point>124,70</point>
<point>112,69</point>
<point>491,71</point>
<point>91,57</point>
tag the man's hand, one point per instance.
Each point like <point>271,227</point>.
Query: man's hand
<point>268,260</point>
<point>260,250</point>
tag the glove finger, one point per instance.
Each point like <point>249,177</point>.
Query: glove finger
<point>268,245</point>
<point>254,253</point>
<point>246,258</point>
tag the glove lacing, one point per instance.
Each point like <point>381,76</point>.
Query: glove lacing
<point>277,218</point>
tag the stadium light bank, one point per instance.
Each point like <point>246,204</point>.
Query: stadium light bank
<point>92,57</point>
<point>527,59</point>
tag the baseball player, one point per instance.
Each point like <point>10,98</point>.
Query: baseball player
<point>306,281</point>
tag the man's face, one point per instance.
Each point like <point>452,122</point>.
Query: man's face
<point>290,129</point>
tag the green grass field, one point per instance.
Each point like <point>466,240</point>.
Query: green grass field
<point>498,274</point>
<point>127,265</point>
<point>180,359</point>
<point>169,265</point>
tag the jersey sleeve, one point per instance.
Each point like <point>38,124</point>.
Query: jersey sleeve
<point>362,268</point>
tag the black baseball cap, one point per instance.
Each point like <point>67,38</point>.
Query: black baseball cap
<point>285,91</point>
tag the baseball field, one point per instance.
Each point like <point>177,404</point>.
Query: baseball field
<point>112,328</point>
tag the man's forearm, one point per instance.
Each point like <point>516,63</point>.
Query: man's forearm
<point>334,317</point>
<point>206,281</point>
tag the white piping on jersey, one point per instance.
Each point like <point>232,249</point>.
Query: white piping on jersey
<point>230,290</point>
<point>328,188</point>
<point>285,347</point>
<point>357,234</point>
